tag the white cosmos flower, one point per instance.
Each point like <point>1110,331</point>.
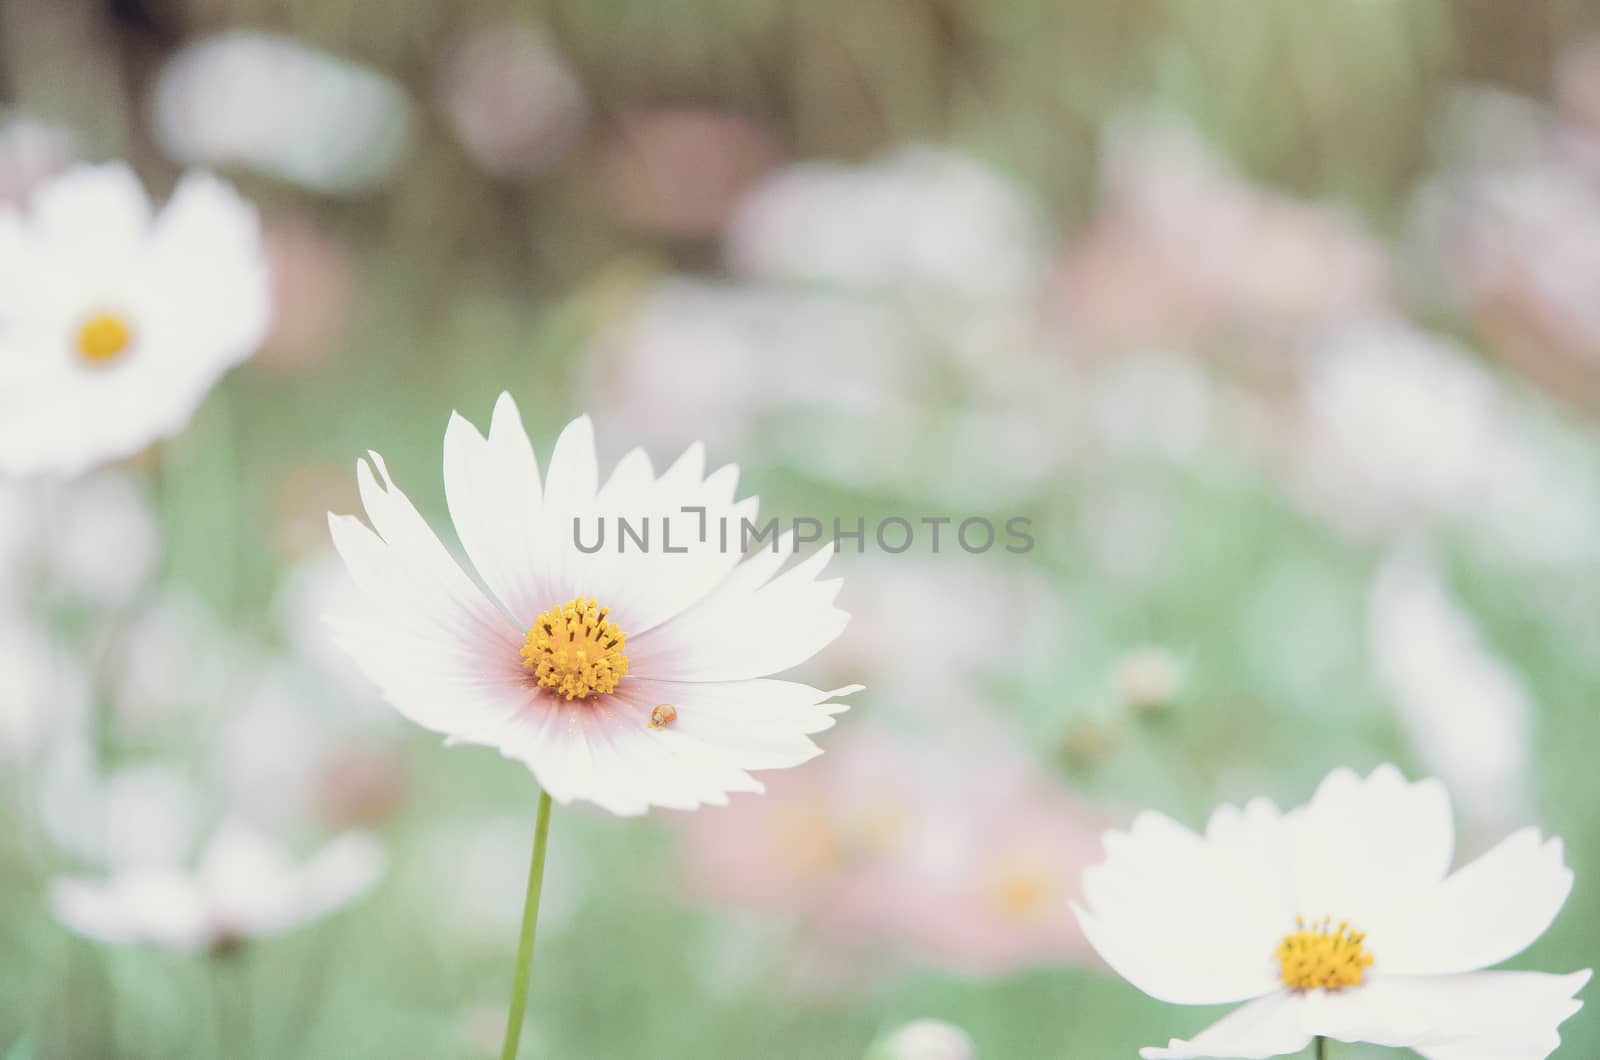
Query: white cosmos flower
<point>628,679</point>
<point>1468,712</point>
<point>246,886</point>
<point>1337,919</point>
<point>115,322</point>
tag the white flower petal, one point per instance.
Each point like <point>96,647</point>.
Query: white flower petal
<point>92,210</point>
<point>157,905</point>
<point>1369,845</point>
<point>750,626</point>
<point>1478,1016</point>
<point>1267,1026</point>
<point>606,752</point>
<point>766,724</point>
<point>204,293</point>
<point>1172,916</point>
<point>190,285</point>
<point>1484,913</point>
<point>441,651</point>
<point>653,587</point>
<point>346,868</point>
<point>667,560</point>
<point>492,487</point>
<point>1257,839</point>
<point>569,494</point>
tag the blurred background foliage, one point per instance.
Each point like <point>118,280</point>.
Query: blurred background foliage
<point>563,171</point>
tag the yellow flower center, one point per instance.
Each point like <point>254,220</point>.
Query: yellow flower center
<point>1322,956</point>
<point>575,650</point>
<point>104,337</point>
<point>1019,894</point>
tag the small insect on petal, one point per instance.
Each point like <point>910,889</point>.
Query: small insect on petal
<point>663,715</point>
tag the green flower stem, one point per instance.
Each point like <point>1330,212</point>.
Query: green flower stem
<point>530,922</point>
<point>1322,1048</point>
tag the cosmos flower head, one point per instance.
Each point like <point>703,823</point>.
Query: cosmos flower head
<point>629,678</point>
<point>245,887</point>
<point>1339,919</point>
<point>115,320</point>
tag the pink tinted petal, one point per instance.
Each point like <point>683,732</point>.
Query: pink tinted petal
<point>441,651</point>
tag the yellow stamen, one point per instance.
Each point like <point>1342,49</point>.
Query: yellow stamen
<point>1320,956</point>
<point>575,650</point>
<point>104,337</point>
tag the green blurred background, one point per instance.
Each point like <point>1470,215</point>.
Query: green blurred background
<point>1154,275</point>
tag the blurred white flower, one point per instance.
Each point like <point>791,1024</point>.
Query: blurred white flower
<point>512,101</point>
<point>90,540</point>
<point>1128,528</point>
<point>114,324</point>
<point>245,887</point>
<point>43,689</point>
<point>136,815</point>
<point>277,743</point>
<point>696,359</point>
<point>31,152</point>
<point>1466,711</point>
<point>177,662</point>
<point>624,678</point>
<point>1393,428</point>
<point>930,602</point>
<point>1148,678</point>
<point>283,108</point>
<point>1537,498</point>
<point>829,381</point>
<point>1339,919</point>
<point>102,543</point>
<point>309,591</point>
<point>925,1040</point>
<point>925,222</point>
<point>1160,406</point>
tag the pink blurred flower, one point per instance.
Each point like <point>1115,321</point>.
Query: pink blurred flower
<point>680,171</point>
<point>1578,83</point>
<point>1510,234</point>
<point>314,289</point>
<point>1185,249</point>
<point>512,101</point>
<point>966,861</point>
